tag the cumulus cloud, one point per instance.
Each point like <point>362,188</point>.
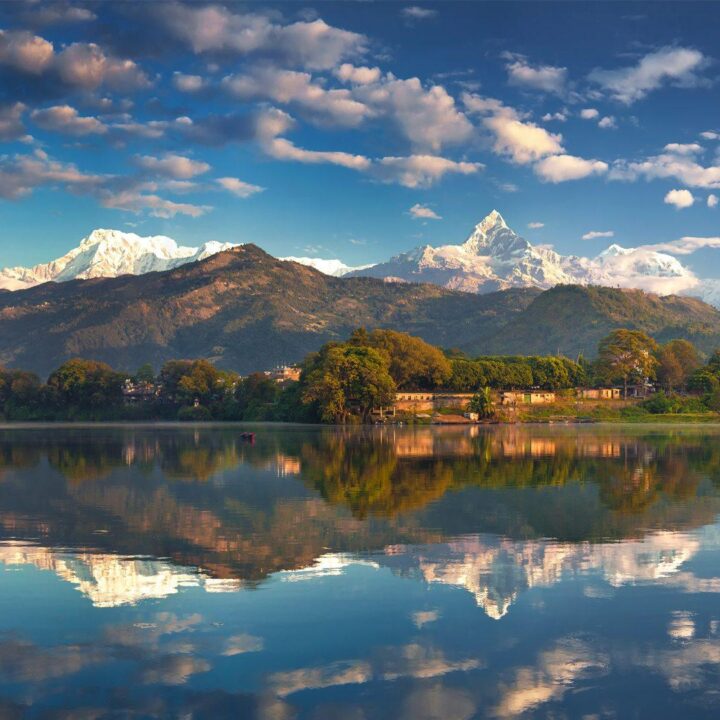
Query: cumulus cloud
<point>313,45</point>
<point>522,141</point>
<point>25,51</point>
<point>710,135</point>
<point>11,122</point>
<point>683,148</point>
<point>560,168</point>
<point>79,66</point>
<point>66,119</point>
<point>538,77</point>
<point>336,106</point>
<point>417,12</point>
<point>589,113</point>
<point>712,200</point>
<point>218,130</point>
<point>420,170</point>
<point>686,245</point>
<point>593,234</point>
<point>422,212</point>
<point>607,122</point>
<point>188,83</point>
<point>238,187</point>
<point>349,73</point>
<point>536,225</point>
<point>136,200</point>
<point>679,198</point>
<point>172,166</point>
<point>558,116</point>
<point>673,65</point>
<point>21,174</point>
<point>427,117</point>
<point>682,167</point>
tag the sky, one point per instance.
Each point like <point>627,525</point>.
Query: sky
<point>359,130</point>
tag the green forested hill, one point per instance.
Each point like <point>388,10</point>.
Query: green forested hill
<point>572,319</point>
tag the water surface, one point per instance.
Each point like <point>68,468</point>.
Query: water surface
<point>454,573</point>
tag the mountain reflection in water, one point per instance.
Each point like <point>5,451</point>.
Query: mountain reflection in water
<point>458,572</point>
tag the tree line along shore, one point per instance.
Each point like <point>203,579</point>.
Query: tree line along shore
<point>345,382</point>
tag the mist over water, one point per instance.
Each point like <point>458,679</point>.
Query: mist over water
<point>539,572</point>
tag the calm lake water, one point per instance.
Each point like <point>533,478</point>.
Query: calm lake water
<point>447,573</point>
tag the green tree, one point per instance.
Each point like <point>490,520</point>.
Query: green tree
<point>626,355</point>
<point>481,403</point>
<point>86,386</point>
<point>344,378</point>
<point>413,363</point>
<point>145,374</point>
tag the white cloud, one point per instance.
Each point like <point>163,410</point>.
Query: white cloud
<point>422,212</point>
<point>429,118</point>
<point>238,187</point>
<point>420,170</point>
<point>669,165</point>
<point>65,119</point>
<point>314,45</point>
<point>683,148</point>
<point>416,12</point>
<point>173,166</point>
<point>560,168</point>
<point>679,198</point>
<point>24,51</point>
<point>282,149</point>
<point>86,66</point>
<point>548,117</point>
<point>589,113</point>
<point>712,200</point>
<point>187,83</point>
<point>134,200</point>
<point>686,245</point>
<point>667,65</point>
<point>536,225</point>
<point>598,234</point>
<point>607,123</point>
<point>524,142</point>
<point>11,122</point>
<point>539,77</point>
<point>21,174</point>
<point>347,72</point>
<point>710,135</point>
<point>297,88</point>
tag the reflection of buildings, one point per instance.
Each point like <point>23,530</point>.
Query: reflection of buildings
<point>113,580</point>
<point>496,571</point>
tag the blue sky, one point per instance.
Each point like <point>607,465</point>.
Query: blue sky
<point>315,130</point>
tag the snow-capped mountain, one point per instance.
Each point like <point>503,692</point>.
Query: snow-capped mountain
<point>494,257</point>
<point>109,253</point>
<point>336,268</point>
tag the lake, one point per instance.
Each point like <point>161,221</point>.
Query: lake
<point>400,573</point>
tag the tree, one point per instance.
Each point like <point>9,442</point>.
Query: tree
<point>626,355</point>
<point>481,403</point>
<point>145,374</point>
<point>413,363</point>
<point>343,378</point>
<point>677,360</point>
<point>86,385</point>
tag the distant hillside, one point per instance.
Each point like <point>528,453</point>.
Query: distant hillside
<point>245,310</point>
<point>573,319</point>
<point>242,308</point>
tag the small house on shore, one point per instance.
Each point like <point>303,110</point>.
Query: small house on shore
<point>531,397</point>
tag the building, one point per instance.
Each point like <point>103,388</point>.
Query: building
<point>599,393</point>
<point>418,402</point>
<point>531,397</point>
<point>284,373</point>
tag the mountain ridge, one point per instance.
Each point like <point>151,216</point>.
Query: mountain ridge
<point>246,310</point>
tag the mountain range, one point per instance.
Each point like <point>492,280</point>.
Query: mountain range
<point>492,258</point>
<point>246,310</point>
